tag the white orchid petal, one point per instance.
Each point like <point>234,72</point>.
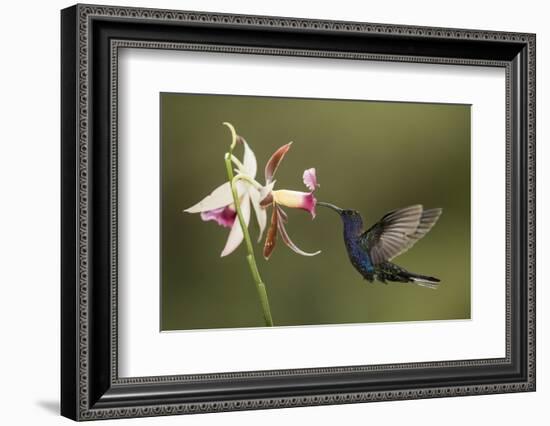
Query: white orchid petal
<point>220,197</point>
<point>249,160</point>
<point>261,214</point>
<point>236,236</point>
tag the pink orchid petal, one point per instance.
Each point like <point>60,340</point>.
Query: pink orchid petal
<point>274,161</point>
<point>310,179</point>
<point>220,197</point>
<point>261,214</point>
<point>288,241</point>
<point>271,237</point>
<point>236,236</point>
<point>295,200</point>
<point>249,160</point>
<point>224,216</point>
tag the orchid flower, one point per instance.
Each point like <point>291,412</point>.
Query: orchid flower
<point>219,205</point>
<point>229,206</point>
<point>287,198</point>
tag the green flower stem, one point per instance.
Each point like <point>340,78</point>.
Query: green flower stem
<point>260,286</point>
<point>248,179</point>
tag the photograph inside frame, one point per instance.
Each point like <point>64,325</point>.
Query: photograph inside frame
<point>353,211</point>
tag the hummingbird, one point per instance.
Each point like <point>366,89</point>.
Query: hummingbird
<point>371,251</point>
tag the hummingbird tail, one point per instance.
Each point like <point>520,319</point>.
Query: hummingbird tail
<point>424,280</point>
<point>388,271</point>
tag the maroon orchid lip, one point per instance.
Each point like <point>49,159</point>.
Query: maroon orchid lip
<point>224,216</point>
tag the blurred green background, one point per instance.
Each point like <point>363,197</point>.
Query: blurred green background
<point>369,156</point>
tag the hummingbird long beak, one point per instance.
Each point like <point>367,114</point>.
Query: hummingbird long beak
<point>330,206</point>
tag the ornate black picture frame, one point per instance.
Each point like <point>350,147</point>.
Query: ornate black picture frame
<point>91,36</point>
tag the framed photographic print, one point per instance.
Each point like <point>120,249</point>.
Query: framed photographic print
<point>263,212</point>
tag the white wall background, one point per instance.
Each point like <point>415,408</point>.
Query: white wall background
<point>29,225</point>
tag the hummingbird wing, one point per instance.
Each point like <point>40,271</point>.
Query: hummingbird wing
<point>398,231</point>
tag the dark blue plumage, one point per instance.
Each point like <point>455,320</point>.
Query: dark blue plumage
<point>353,227</point>
<point>370,252</point>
